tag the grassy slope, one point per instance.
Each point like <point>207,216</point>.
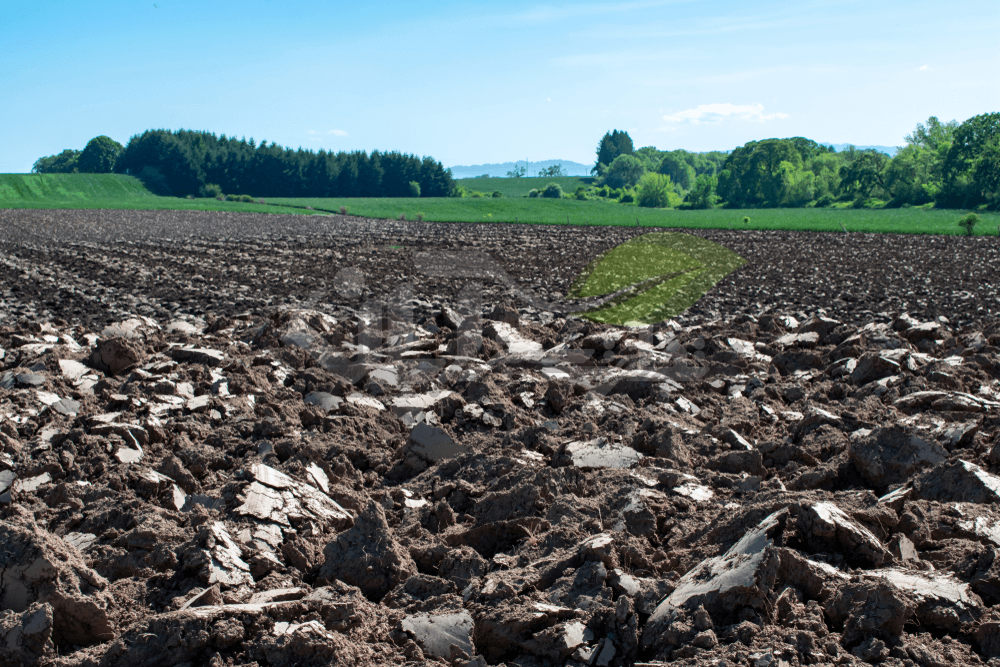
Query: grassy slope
<point>106,191</point>
<point>519,187</point>
<point>70,187</point>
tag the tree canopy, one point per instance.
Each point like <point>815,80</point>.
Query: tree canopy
<point>182,162</point>
<point>99,156</point>
<point>63,163</point>
<point>612,145</point>
<point>624,170</point>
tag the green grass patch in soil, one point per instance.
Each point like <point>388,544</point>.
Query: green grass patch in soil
<point>662,273</point>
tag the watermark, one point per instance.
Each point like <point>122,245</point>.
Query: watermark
<point>674,270</point>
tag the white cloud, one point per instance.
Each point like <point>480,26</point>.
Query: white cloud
<point>713,113</point>
<point>336,133</point>
<point>922,68</point>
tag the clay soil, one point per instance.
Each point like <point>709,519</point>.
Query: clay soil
<point>237,439</point>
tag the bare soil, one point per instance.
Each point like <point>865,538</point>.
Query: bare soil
<point>234,439</point>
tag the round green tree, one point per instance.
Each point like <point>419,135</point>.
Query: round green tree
<point>99,156</point>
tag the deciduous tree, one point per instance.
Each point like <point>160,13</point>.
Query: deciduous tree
<point>624,170</point>
<point>63,163</point>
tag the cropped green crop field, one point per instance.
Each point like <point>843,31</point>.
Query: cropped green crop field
<point>520,187</point>
<point>573,212</point>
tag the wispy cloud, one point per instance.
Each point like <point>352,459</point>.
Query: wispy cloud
<point>922,68</point>
<point>713,113</point>
<point>336,133</point>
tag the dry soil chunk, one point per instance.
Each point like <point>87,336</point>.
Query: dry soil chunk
<point>113,355</point>
<point>434,444</point>
<point>892,455</point>
<point>958,481</point>
<point>826,521</point>
<point>599,453</point>
<point>38,567</point>
<point>869,608</point>
<point>437,633</point>
<point>367,556</point>
<point>26,637</point>
<point>939,599</point>
<point>274,496</point>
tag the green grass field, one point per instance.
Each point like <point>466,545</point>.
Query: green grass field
<point>519,187</point>
<point>115,191</point>
<point>570,211</point>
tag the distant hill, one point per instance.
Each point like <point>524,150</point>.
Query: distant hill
<point>888,150</point>
<point>500,170</point>
<point>571,168</point>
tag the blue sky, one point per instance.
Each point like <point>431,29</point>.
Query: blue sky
<point>482,82</point>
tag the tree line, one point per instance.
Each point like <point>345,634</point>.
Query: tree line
<point>186,162</point>
<point>949,165</point>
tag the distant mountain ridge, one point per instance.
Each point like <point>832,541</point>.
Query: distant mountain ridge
<point>532,168</point>
<point>888,150</point>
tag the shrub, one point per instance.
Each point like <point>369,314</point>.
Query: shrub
<point>533,193</point>
<point>497,194</point>
<point>414,189</point>
<point>343,210</point>
<point>654,190</point>
<point>968,222</point>
<point>870,202</point>
<point>220,197</point>
<point>626,198</point>
<point>210,190</point>
<point>581,193</point>
<point>232,198</point>
<point>746,221</point>
<point>246,199</point>
<point>702,194</point>
<point>824,201</point>
<point>190,197</point>
<point>553,191</point>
